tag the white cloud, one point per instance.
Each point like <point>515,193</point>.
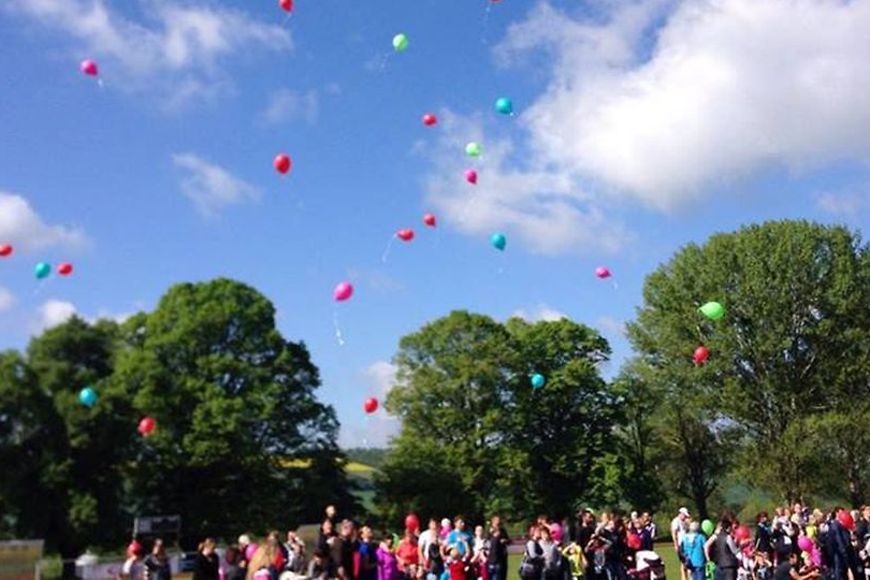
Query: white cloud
<point>6,299</point>
<point>845,204</point>
<point>287,105</point>
<point>22,227</point>
<point>380,377</point>
<point>540,313</point>
<point>728,88</point>
<point>546,210</point>
<point>211,187</point>
<point>52,313</point>
<point>610,326</point>
<point>174,46</point>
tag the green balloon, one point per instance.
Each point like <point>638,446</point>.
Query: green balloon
<point>473,149</point>
<point>713,310</point>
<point>42,270</point>
<point>400,42</point>
<point>708,527</point>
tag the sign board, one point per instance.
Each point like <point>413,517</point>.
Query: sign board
<point>19,559</point>
<point>157,526</point>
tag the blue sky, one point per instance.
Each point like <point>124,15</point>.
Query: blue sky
<point>639,126</point>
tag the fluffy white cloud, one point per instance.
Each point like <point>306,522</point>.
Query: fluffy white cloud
<point>52,313</point>
<point>539,313</point>
<point>546,210</point>
<point>610,326</point>
<point>6,299</point>
<point>22,227</point>
<point>727,88</point>
<point>288,105</point>
<point>176,47</point>
<point>844,203</point>
<point>211,187</point>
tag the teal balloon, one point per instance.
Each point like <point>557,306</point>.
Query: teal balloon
<point>504,106</point>
<point>42,270</point>
<point>88,397</point>
<point>713,310</point>
<point>538,380</point>
<point>498,241</point>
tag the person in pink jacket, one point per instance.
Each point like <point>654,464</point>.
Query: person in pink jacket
<point>388,565</point>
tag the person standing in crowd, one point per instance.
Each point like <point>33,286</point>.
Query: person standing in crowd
<point>615,551</point>
<point>157,563</point>
<point>206,566</point>
<point>434,560</point>
<point>722,549</point>
<point>692,550</point>
<point>496,560</point>
<point>342,551</point>
<point>388,566</point>
<point>426,538</point>
<point>459,538</point>
<point>650,526</point>
<point>294,553</point>
<point>862,527</point>
<point>132,569</point>
<point>839,549</point>
<point>788,570</point>
<point>408,555</point>
<point>763,532</point>
<point>320,567</point>
<point>327,535</point>
<point>679,525</point>
<point>552,557</point>
<point>268,557</point>
<point>368,555</point>
<point>234,570</point>
<point>533,556</point>
<point>480,554</point>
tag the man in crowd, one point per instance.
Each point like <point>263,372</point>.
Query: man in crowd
<point>679,526</point>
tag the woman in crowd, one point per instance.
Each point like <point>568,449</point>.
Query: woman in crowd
<point>157,563</point>
<point>206,565</point>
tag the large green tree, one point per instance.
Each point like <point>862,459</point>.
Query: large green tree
<point>236,410</point>
<point>477,437</point>
<point>792,344</point>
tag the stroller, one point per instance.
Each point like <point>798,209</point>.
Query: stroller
<point>648,566</point>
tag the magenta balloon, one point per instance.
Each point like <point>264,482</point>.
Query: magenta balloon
<point>556,532</point>
<point>343,291</point>
<point>805,544</point>
<point>602,272</point>
<point>89,67</point>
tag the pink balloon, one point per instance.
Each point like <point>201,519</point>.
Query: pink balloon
<point>343,291</point>
<point>89,68</point>
<point>816,556</point>
<point>471,176</point>
<point>603,272</point>
<point>805,544</point>
<point>250,549</point>
<point>556,532</point>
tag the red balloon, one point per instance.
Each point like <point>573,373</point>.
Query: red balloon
<point>147,426</point>
<point>65,269</point>
<point>286,5</point>
<point>405,235</point>
<point>702,353</point>
<point>846,520</point>
<point>429,220</point>
<point>370,405</point>
<point>430,120</point>
<point>282,163</point>
<point>741,533</point>
<point>412,522</point>
<point>5,250</point>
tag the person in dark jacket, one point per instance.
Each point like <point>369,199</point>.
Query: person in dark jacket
<point>206,565</point>
<point>234,570</point>
<point>724,552</point>
<point>157,563</point>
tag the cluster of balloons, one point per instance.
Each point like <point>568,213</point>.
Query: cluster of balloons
<point>713,311</point>
<point>42,270</point>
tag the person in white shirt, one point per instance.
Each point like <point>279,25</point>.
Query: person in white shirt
<point>426,539</point>
<point>679,526</point>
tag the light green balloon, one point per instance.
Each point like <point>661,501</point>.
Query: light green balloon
<point>708,527</point>
<point>473,149</point>
<point>713,310</point>
<point>400,42</point>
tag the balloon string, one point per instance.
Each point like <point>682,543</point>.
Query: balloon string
<point>484,34</point>
<point>286,20</point>
<point>386,253</point>
<point>615,285</point>
<point>100,84</point>
<point>338,335</point>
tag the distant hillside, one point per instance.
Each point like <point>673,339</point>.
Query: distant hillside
<point>366,456</point>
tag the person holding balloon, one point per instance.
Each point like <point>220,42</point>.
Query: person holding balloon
<point>692,552</point>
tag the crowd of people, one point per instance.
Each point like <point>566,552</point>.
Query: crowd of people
<point>792,544</point>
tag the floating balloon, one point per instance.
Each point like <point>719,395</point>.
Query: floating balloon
<point>430,120</point>
<point>702,353</point>
<point>286,5</point>
<point>41,270</point>
<point>473,149</point>
<point>405,235</point>
<point>713,310</point>
<point>471,176</point>
<point>504,106</point>
<point>846,520</point>
<point>603,272</point>
<point>429,220</point>
<point>400,42</point>
<point>741,533</point>
<point>370,405</point>
<point>147,426</point>
<point>498,241</point>
<point>65,269</point>
<point>538,380</point>
<point>5,250</point>
<point>343,291</point>
<point>282,163</point>
<point>707,527</point>
<point>556,532</point>
<point>412,522</point>
<point>89,68</point>
<point>88,397</point>
<point>805,544</point>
